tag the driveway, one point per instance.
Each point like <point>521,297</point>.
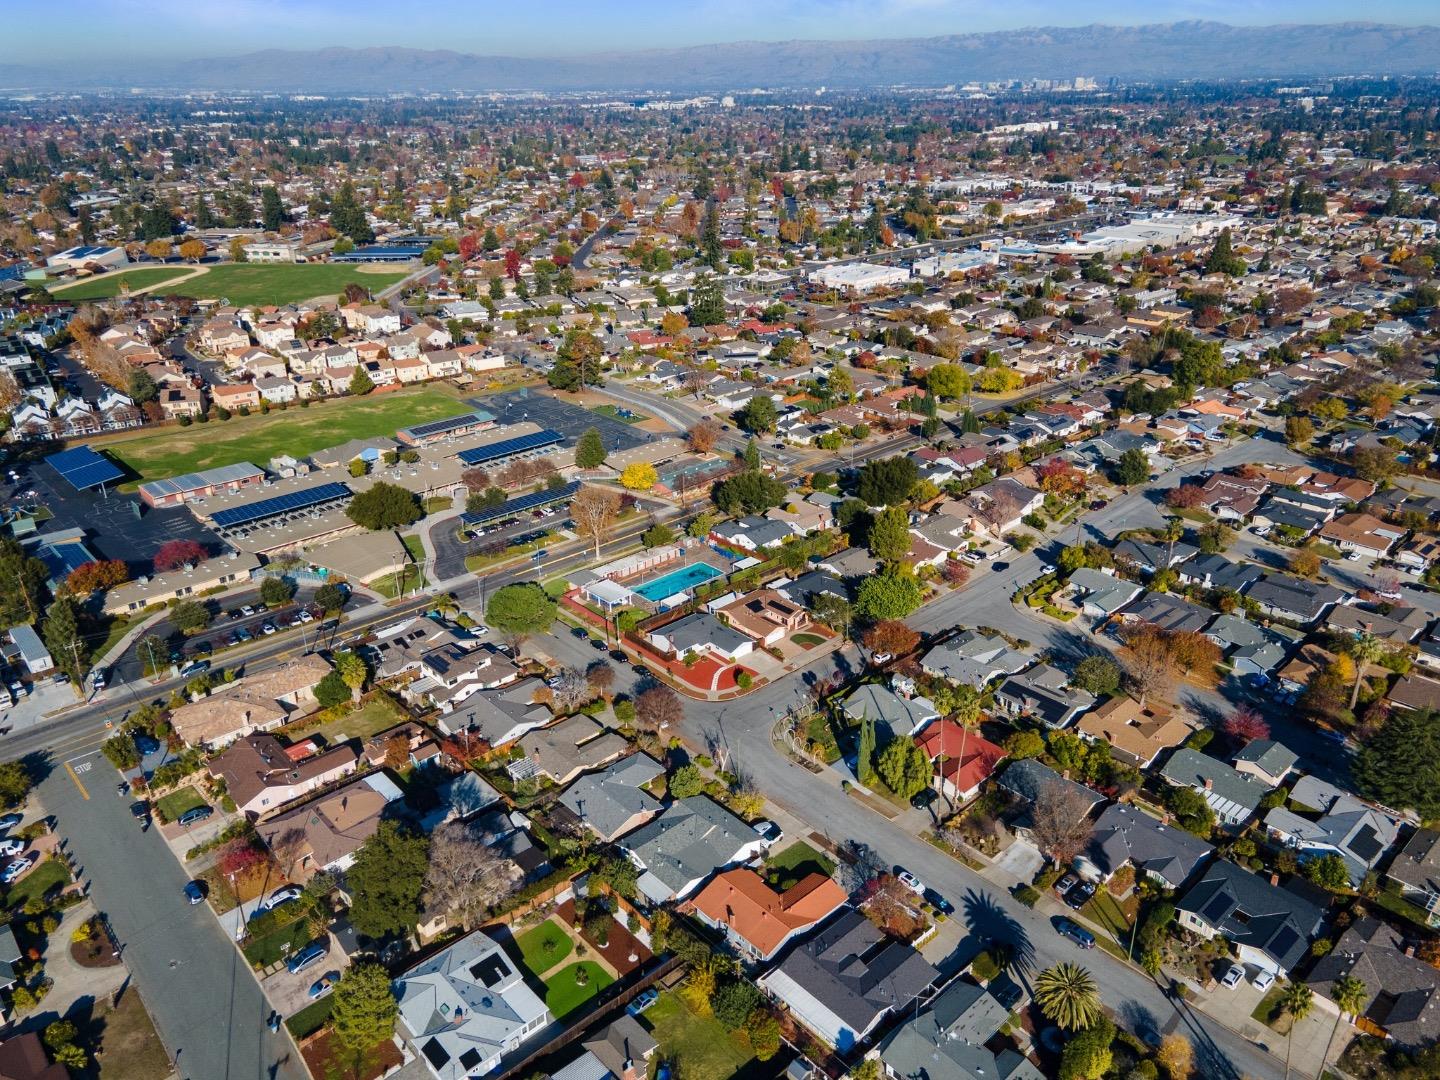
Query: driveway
<point>1017,864</point>
<point>290,993</point>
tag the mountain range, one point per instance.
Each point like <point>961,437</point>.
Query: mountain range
<point>1170,51</point>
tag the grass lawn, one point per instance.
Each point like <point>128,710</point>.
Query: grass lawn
<point>795,862</point>
<point>177,802</point>
<point>50,874</point>
<point>808,640</point>
<point>374,716</point>
<point>564,995</point>
<point>296,431</point>
<point>544,946</point>
<point>108,285</point>
<point>702,1047</point>
<point>391,586</point>
<point>267,950</point>
<point>242,284</point>
<point>436,503</point>
<point>1269,1012</point>
<point>1105,912</point>
<point>481,560</point>
<point>128,1048</point>
<point>113,633</point>
<point>311,1018</point>
<point>613,411</point>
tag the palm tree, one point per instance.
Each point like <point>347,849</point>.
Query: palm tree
<point>1297,1000</point>
<point>1067,995</point>
<point>1350,994</point>
<point>1364,650</point>
<point>1174,530</point>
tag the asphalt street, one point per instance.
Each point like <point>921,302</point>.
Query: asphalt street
<point>207,1006</point>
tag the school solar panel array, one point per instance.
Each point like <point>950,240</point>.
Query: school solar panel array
<point>83,468</point>
<point>519,505</point>
<point>237,516</point>
<point>439,427</point>
<point>506,447</point>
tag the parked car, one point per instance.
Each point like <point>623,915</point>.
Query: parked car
<point>939,903</point>
<point>643,1001</point>
<point>286,894</point>
<point>1234,977</point>
<point>922,799</point>
<point>323,985</point>
<point>247,611</point>
<point>1066,883</point>
<point>9,821</point>
<point>769,832</point>
<point>195,815</point>
<point>195,667</point>
<point>18,867</point>
<point>1263,980</point>
<point>910,881</point>
<point>268,628</point>
<point>1075,932</point>
<point>99,677</point>
<point>309,956</point>
<point>195,892</point>
<point>11,847</point>
<point>1080,895</point>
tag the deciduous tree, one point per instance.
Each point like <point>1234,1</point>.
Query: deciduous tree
<point>658,708</point>
<point>593,510</point>
<point>1061,816</point>
<point>466,877</point>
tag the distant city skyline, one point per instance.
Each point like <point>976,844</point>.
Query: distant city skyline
<point>46,31</point>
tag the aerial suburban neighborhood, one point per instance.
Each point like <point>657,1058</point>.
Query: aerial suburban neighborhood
<point>752,561</point>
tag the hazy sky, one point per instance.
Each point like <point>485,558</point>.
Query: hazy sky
<point>47,30</point>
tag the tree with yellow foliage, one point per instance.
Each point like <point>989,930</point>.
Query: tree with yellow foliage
<point>640,476</point>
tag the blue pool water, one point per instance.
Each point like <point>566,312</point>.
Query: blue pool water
<point>687,577</point>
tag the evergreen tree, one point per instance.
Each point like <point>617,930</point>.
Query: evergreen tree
<point>707,303</point>
<point>22,583</point>
<point>865,759</point>
<point>347,217</point>
<point>363,1007</point>
<point>590,451</point>
<point>62,637</point>
<point>87,226</point>
<point>272,210</point>
<point>710,238</point>
<point>361,383</point>
<point>752,455</point>
<point>969,424</point>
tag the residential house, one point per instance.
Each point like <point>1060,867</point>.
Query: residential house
<point>703,634</point>
<point>756,920</point>
<point>613,801</point>
<point>1363,533</point>
<point>949,1040</point>
<point>1266,760</point>
<point>261,774</point>
<point>326,832</point>
<point>997,508</point>
<point>565,749</point>
<point>1250,649</point>
<point>1043,693</point>
<point>1415,693</point>
<point>468,1006</point>
<point>23,1057</point>
<point>1294,599</point>
<point>254,703</point>
<point>1218,572</point>
<point>765,615</point>
<point>620,1051</point>
<point>962,760</point>
<point>841,982</point>
<point>1358,833</point>
<point>1270,926</point>
<point>1233,796</point>
<point>1137,734</point>
<point>971,658</point>
<point>1416,872</point>
<point>1028,779</point>
<point>690,840</point>
<point>1150,558</point>
<point>901,714</point>
<point>1169,612</point>
<point>1127,836</point>
<point>752,533</point>
<point>502,715</point>
<point>1099,593</point>
<point>1400,627</point>
<point>1401,991</point>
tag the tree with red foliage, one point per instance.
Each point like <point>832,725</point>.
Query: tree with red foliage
<point>577,180</point>
<point>512,264</point>
<point>956,573</point>
<point>176,553</point>
<point>1245,725</point>
<point>1185,497</point>
<point>240,857</point>
<point>468,246</point>
<point>890,636</point>
<point>1061,479</point>
<point>95,576</point>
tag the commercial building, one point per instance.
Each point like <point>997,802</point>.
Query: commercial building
<point>179,490</point>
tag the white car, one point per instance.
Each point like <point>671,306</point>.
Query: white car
<point>911,882</point>
<point>1233,977</point>
<point>1353,556</point>
<point>11,847</point>
<point>284,895</point>
<point>1262,530</point>
<point>1263,980</point>
<point>16,868</point>
<point>769,832</point>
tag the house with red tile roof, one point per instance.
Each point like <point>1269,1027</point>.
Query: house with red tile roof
<point>963,760</point>
<point>758,921</point>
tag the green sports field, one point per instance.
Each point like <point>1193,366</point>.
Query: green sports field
<point>242,284</point>
<point>108,285</point>
<point>296,431</point>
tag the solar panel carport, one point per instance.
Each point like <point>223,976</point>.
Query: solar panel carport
<point>237,517</point>
<point>505,448</point>
<point>82,468</point>
<point>519,505</point>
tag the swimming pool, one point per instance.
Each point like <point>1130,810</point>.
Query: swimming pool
<point>687,577</point>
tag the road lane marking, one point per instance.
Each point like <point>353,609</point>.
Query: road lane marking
<point>75,776</point>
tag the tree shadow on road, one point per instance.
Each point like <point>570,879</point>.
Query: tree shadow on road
<point>990,922</point>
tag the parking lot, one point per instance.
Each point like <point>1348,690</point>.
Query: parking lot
<point>116,526</point>
<point>518,406</point>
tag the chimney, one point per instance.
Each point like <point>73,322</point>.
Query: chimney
<point>1209,784</point>
<point>1409,948</point>
<point>1274,879</point>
